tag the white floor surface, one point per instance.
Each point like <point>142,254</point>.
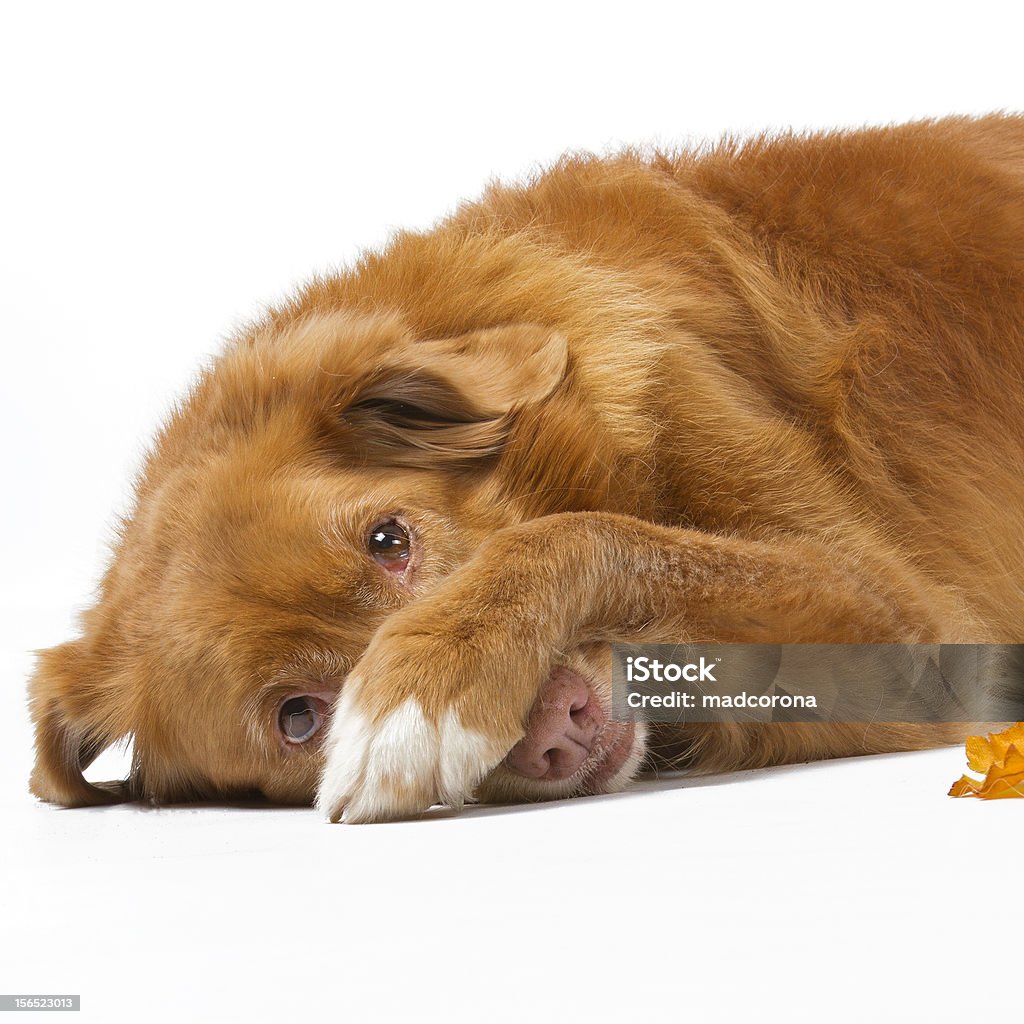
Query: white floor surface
<point>849,891</point>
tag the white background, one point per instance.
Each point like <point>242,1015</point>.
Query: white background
<point>165,170</point>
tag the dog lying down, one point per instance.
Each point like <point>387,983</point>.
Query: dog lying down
<point>769,392</point>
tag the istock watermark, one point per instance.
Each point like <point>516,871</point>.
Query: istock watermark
<point>704,682</point>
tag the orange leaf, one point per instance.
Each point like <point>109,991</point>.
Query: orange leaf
<point>1002,741</point>
<point>1001,788</point>
<point>1000,757</point>
<point>965,786</point>
<point>980,755</point>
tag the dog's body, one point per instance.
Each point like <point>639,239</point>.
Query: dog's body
<point>768,393</point>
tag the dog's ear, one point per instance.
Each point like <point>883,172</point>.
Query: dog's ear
<point>74,721</point>
<point>452,399</point>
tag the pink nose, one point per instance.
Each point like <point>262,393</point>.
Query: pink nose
<point>564,722</point>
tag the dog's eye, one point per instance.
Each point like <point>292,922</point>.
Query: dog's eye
<point>300,718</point>
<point>389,545</point>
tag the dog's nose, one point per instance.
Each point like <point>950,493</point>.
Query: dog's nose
<point>563,724</point>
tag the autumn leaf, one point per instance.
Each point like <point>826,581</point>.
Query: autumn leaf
<point>1001,757</point>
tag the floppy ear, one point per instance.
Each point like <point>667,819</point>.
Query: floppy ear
<point>453,399</point>
<point>73,725</point>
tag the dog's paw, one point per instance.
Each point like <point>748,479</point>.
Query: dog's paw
<point>400,762</point>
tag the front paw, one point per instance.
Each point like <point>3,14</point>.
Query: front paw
<point>391,753</point>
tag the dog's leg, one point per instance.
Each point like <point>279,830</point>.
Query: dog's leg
<point>446,685</point>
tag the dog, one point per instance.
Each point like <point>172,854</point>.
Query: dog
<point>768,391</point>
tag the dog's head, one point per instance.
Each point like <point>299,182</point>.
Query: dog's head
<point>324,472</point>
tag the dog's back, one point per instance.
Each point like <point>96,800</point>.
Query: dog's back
<point>820,333</point>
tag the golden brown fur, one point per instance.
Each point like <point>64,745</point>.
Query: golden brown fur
<point>771,391</point>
